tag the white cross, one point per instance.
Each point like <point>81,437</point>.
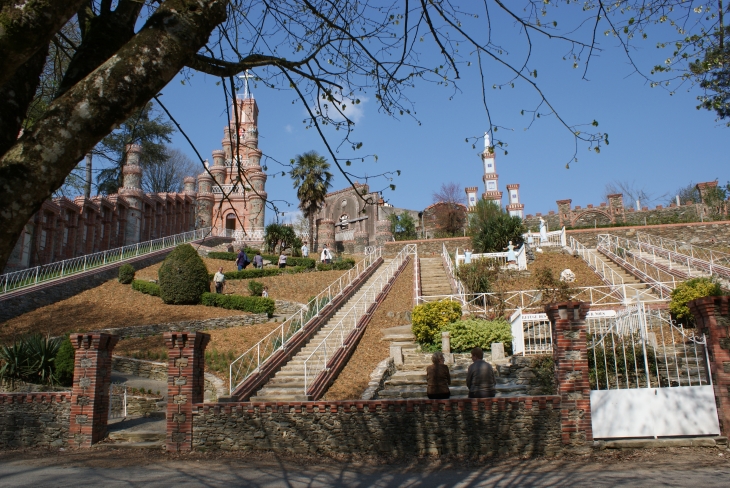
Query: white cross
<point>245,78</point>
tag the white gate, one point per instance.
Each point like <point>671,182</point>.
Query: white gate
<point>649,377</point>
<point>117,401</point>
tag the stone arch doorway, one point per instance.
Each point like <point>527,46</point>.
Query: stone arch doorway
<point>231,221</point>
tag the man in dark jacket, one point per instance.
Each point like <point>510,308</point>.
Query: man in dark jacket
<point>242,260</point>
<point>480,376</point>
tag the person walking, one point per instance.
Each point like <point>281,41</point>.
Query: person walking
<point>220,280</point>
<point>282,260</point>
<point>265,293</point>
<point>242,260</point>
<point>480,376</point>
<point>258,260</point>
<point>305,251</point>
<point>438,378</point>
<point>326,256</point>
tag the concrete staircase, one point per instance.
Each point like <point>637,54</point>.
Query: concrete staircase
<point>409,381</point>
<point>288,383</point>
<point>434,279</point>
<point>632,283</point>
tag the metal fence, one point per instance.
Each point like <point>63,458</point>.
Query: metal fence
<point>251,361</point>
<point>47,272</point>
<point>501,257</point>
<point>556,238</point>
<point>117,401</point>
<point>317,361</point>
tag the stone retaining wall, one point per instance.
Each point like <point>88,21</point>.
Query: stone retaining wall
<point>186,325</point>
<point>284,307</point>
<point>138,406</point>
<point>138,367</point>
<point>34,420</point>
<point>393,428</point>
<point>706,234</point>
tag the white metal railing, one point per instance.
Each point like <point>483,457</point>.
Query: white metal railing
<point>59,269</point>
<point>627,253</point>
<point>251,361</point>
<point>241,235</point>
<point>348,235</point>
<point>456,284</point>
<point>318,360</point>
<point>601,267</point>
<point>501,257</point>
<point>697,260</point>
<point>556,238</point>
<point>487,303</point>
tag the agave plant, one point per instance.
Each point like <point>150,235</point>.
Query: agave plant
<point>13,362</point>
<point>29,359</point>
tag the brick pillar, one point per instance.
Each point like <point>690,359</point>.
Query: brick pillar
<point>571,372</point>
<point>185,385</point>
<point>90,393</point>
<point>712,316</point>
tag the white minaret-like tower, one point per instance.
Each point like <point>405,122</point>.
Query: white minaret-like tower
<point>515,208</point>
<point>491,183</point>
<point>471,196</point>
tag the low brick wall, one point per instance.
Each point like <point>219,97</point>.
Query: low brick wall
<point>465,427</point>
<point>427,247</point>
<point>138,367</point>
<point>186,326</point>
<point>702,234</point>
<point>34,420</point>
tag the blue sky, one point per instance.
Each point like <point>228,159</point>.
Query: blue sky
<point>659,142</point>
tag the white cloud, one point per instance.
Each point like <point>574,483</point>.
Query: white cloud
<point>353,111</point>
<point>288,128</point>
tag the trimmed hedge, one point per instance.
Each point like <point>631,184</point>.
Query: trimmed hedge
<point>343,265</point>
<point>232,256</point>
<point>238,302</point>
<point>126,274</point>
<point>183,276</point>
<point>246,274</point>
<point>307,263</point>
<point>468,334</point>
<point>146,287</point>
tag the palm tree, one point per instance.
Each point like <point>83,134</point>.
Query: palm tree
<point>312,180</point>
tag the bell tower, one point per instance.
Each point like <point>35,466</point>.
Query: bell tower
<point>491,183</point>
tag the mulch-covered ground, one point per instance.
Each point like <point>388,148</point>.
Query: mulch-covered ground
<point>115,305</point>
<point>556,262</point>
<point>354,378</point>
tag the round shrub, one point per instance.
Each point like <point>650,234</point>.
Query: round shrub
<point>430,318</point>
<point>688,291</point>
<point>468,334</point>
<point>126,274</point>
<point>256,288</point>
<point>183,277</point>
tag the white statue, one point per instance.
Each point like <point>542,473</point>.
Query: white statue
<point>511,258</point>
<point>543,230</point>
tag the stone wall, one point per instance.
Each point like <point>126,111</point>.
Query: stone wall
<point>139,367</point>
<point>187,325</point>
<point>284,307</point>
<point>393,428</point>
<point>34,420</point>
<point>706,234</point>
<point>427,247</point>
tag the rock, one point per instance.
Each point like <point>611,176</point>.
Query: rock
<point>567,276</point>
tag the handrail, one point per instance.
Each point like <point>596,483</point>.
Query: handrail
<point>251,361</point>
<point>703,260</point>
<point>627,253</point>
<point>478,303</point>
<point>553,238</point>
<point>317,361</point>
<point>59,269</point>
<point>520,256</point>
<point>456,283</point>
<point>601,267</point>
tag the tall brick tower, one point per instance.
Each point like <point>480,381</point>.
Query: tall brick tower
<point>491,183</point>
<point>237,173</point>
<point>515,208</point>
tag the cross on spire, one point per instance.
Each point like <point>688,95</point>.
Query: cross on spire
<point>245,76</point>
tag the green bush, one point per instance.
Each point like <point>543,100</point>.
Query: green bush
<point>688,291</point>
<point>232,256</point>
<point>256,288</point>
<point>479,275</point>
<point>183,276</point>
<point>430,318</point>
<point>306,263</point>
<point>468,334</point>
<point>146,287</point>
<point>343,264</point>
<point>246,274</point>
<point>491,228</point>
<point>30,359</point>
<point>126,274</point>
<point>64,363</point>
<point>238,302</point>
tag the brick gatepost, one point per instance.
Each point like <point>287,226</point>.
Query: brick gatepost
<point>712,316</point>
<point>571,372</point>
<point>185,385</point>
<point>90,392</point>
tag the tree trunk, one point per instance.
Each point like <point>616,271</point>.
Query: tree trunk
<point>41,159</point>
<point>87,185</point>
<point>311,233</point>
